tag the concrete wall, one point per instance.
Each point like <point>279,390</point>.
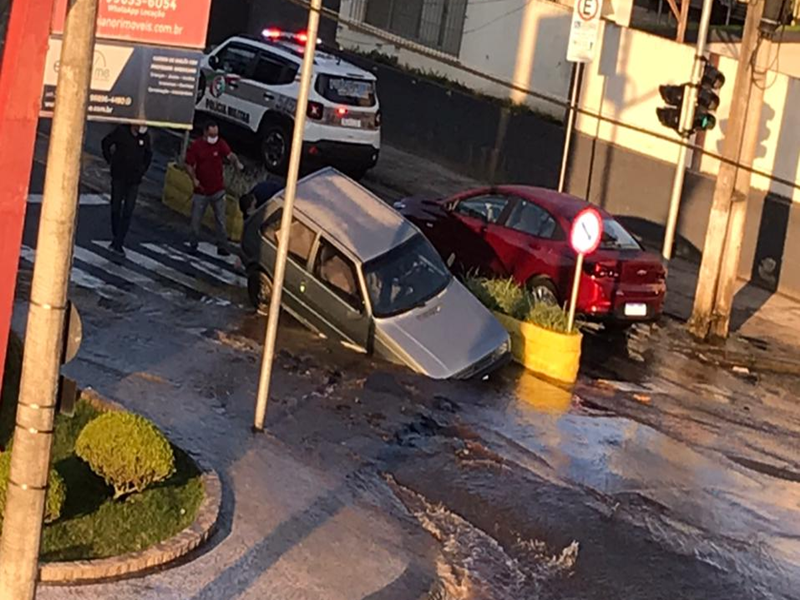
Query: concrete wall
<point>492,43</point>
<point>623,85</point>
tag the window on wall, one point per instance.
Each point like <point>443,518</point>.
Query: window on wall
<point>438,24</point>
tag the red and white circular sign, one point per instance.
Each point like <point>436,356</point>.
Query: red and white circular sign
<point>587,230</point>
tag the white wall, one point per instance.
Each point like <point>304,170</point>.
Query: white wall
<point>623,85</point>
<point>492,43</point>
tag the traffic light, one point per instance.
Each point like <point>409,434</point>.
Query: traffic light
<point>707,98</point>
<point>670,116</point>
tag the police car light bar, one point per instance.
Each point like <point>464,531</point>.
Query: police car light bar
<point>274,34</point>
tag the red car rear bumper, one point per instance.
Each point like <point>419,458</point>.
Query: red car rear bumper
<point>608,299</point>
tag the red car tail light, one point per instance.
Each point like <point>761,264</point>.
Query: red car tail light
<point>315,111</point>
<point>602,270</point>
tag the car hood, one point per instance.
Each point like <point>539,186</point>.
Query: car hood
<point>447,336</point>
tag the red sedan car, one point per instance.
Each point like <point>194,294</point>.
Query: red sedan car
<point>522,232</point>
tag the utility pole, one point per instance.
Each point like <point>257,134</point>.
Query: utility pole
<point>290,193</point>
<point>33,435</point>
<point>686,124</point>
<point>700,322</point>
<point>729,270</point>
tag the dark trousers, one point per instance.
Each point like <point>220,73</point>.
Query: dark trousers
<point>123,201</point>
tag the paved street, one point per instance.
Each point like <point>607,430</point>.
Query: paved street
<point>662,475</point>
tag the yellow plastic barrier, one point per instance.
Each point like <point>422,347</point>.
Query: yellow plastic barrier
<point>177,195</point>
<point>554,355</point>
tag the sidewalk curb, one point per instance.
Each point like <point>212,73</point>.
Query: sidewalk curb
<point>137,563</point>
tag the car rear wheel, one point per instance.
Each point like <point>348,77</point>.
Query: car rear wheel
<point>276,143</point>
<point>543,291</point>
<point>259,290</point>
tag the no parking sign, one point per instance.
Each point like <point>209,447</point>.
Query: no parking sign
<point>587,231</point>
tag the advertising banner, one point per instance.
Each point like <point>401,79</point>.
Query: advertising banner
<point>182,23</point>
<point>134,84</point>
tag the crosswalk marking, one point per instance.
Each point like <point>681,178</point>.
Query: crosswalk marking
<point>79,276</point>
<point>128,275</point>
<point>116,278</point>
<point>167,272</point>
<point>85,199</point>
<point>210,250</point>
<point>210,269</point>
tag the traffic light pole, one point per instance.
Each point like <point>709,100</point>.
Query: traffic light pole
<point>686,122</point>
<point>719,219</point>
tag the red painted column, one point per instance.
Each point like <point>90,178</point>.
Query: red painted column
<point>21,79</point>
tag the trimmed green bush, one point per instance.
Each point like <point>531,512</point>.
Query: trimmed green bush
<point>127,451</point>
<point>56,490</point>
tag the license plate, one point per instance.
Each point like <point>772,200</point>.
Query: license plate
<point>352,123</point>
<point>636,310</point>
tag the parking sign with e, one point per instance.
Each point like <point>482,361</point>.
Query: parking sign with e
<point>584,31</point>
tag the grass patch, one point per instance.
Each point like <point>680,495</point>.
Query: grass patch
<point>92,524</point>
<point>507,297</point>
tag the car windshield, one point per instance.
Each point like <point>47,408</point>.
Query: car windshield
<point>345,90</point>
<point>406,277</point>
<point>616,237</point>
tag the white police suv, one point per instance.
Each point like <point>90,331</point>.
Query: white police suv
<point>254,83</point>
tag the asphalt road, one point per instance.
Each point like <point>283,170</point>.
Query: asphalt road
<point>376,484</point>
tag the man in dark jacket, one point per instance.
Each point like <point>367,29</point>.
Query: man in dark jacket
<point>261,193</point>
<point>127,149</point>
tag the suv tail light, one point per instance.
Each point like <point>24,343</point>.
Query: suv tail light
<point>602,270</point>
<point>315,111</point>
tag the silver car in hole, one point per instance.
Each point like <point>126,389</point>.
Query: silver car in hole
<point>360,273</point>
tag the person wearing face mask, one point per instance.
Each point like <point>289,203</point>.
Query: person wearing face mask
<point>204,163</point>
<point>128,151</point>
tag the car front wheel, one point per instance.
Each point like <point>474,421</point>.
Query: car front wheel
<point>259,290</point>
<point>544,291</point>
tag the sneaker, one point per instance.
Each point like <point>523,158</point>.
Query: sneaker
<point>118,250</point>
<point>223,251</point>
<point>193,247</point>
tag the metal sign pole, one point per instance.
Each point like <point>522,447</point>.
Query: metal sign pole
<point>576,284</point>
<point>286,220</point>
<point>577,76</point>
<point>687,117</point>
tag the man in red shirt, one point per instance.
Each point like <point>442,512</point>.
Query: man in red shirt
<point>204,163</point>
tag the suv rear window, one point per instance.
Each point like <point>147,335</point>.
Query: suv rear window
<point>346,90</point>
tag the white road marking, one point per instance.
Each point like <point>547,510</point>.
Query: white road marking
<point>79,277</point>
<point>218,273</point>
<point>85,199</point>
<point>128,275</point>
<point>176,276</point>
<point>211,250</point>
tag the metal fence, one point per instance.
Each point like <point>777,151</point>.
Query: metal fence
<point>438,24</point>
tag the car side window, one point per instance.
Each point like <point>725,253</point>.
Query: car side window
<point>338,273</point>
<point>527,217</point>
<point>273,70</point>
<point>237,59</point>
<point>487,208</point>
<point>301,240</point>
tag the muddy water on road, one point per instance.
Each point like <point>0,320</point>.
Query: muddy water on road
<point>532,493</point>
<point>743,525</point>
